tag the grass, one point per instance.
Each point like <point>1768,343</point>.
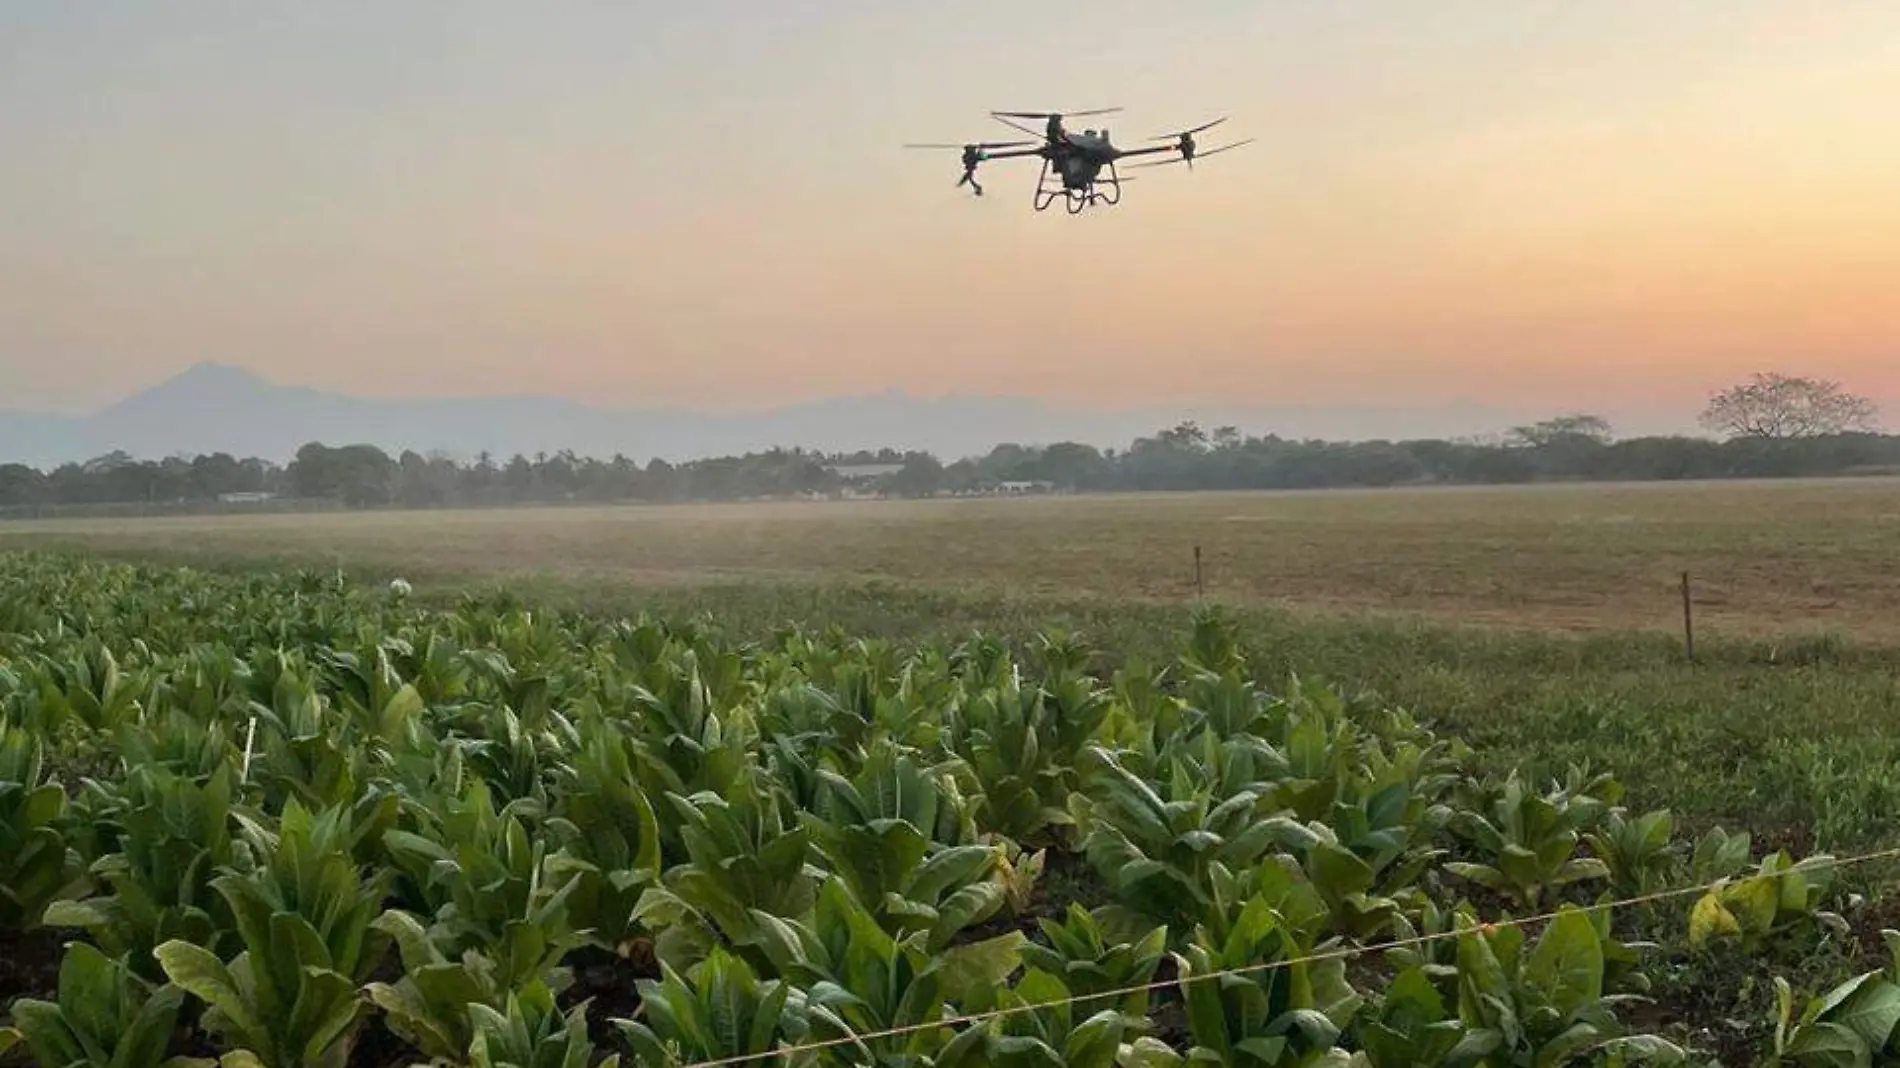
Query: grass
<point>1540,624</point>
<point>1780,557</point>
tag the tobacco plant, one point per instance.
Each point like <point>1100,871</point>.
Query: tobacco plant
<point>1856,1022</point>
<point>1545,1005</point>
<point>104,1017</point>
<point>175,836</point>
<point>1781,900</point>
<point>811,838</point>
<point>1164,847</point>
<point>609,838</point>
<point>36,865</point>
<point>716,1011</point>
<point>898,835</point>
<point>1253,1000</point>
<point>289,998</point>
<point>1529,842</point>
<point>1080,957</point>
<point>531,1032</point>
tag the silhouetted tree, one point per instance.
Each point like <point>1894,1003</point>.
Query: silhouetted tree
<point>1777,407</point>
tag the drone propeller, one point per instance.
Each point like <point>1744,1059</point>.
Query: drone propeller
<point>980,146</point>
<point>1020,128</point>
<point>1184,141</point>
<point>1053,114</point>
<point>1052,131</point>
<point>1188,155</point>
<point>1190,133</point>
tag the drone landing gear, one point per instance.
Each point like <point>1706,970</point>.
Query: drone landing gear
<point>1044,197</point>
<point>1107,192</point>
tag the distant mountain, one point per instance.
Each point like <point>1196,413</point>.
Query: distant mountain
<point>218,408</point>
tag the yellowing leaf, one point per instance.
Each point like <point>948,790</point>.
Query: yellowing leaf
<point>1711,919</point>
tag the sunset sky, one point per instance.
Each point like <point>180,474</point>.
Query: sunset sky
<point>1617,205</point>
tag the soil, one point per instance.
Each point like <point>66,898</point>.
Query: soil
<point>1869,921</point>
<point>1167,1010</point>
<point>378,1047</point>
<point>606,982</point>
<point>29,965</point>
<point>29,968</point>
<point>1066,877</point>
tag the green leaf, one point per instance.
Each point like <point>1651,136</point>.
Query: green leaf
<point>1148,1052</point>
<point>1873,1013</point>
<point>1339,872</point>
<point>205,977</point>
<point>1265,1052</point>
<point>1483,874</point>
<point>1567,964</point>
<point>1829,1045</point>
<point>83,914</point>
<point>1644,1049</point>
<point>44,1029</point>
<point>980,964</point>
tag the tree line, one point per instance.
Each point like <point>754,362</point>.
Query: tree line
<point>1773,426</point>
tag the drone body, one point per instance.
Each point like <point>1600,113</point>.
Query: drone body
<point>1083,164</point>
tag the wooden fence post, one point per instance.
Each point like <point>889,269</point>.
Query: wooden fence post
<point>1688,621</point>
<point>1200,585</point>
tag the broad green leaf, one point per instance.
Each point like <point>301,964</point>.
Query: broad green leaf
<point>1873,1013</point>
<point>205,977</point>
<point>987,963</point>
<point>1567,963</point>
<point>1829,1045</point>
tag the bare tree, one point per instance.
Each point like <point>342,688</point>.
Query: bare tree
<point>1778,406</point>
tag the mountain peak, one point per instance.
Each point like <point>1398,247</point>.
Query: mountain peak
<point>211,373</point>
<point>200,385</point>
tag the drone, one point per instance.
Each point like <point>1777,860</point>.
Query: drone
<point>1078,160</point>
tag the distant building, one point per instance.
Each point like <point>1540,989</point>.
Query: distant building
<point>864,472</point>
<point>248,497</point>
<point>863,480</point>
<point>1014,488</point>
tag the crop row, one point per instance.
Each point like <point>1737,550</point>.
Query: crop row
<point>289,822</point>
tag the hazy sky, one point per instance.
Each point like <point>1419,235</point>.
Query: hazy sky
<point>1617,205</point>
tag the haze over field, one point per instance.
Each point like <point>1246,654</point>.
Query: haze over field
<point>1456,217</point>
<point>215,408</point>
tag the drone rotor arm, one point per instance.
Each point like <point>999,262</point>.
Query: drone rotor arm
<point>1017,153</point>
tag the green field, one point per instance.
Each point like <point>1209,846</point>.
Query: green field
<point>1767,558</point>
<point>1542,623</point>
<point>1539,626</point>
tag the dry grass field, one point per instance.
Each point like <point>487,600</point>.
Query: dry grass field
<point>1768,558</point>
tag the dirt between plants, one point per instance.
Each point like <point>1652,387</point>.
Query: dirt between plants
<point>29,968</point>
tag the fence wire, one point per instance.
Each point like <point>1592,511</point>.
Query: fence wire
<point>1265,966</point>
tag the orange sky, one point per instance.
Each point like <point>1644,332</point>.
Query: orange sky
<point>1619,205</point>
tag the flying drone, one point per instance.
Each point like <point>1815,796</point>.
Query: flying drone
<point>1078,160</point>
